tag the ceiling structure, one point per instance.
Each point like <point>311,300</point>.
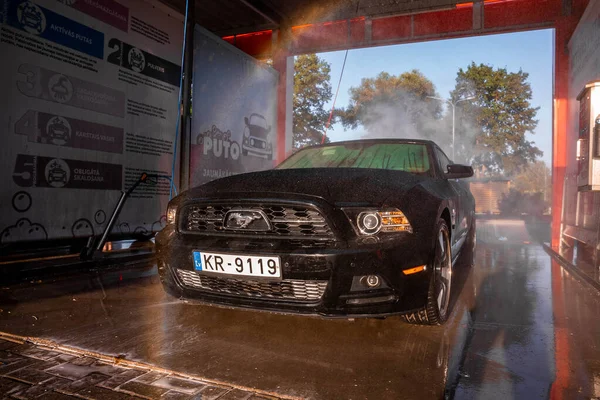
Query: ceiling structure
<point>232,17</point>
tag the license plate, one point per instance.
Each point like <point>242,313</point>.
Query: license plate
<point>236,264</point>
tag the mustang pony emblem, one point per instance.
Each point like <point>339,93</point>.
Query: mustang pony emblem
<point>242,219</point>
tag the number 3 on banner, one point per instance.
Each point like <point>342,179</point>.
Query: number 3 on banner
<point>27,125</point>
<point>32,86</point>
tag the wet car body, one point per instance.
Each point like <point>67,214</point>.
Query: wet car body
<point>325,259</point>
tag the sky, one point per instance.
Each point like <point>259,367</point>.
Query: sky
<point>439,61</point>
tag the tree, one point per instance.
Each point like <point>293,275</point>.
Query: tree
<point>393,106</point>
<point>516,203</point>
<point>535,178</point>
<point>312,90</point>
<point>496,121</point>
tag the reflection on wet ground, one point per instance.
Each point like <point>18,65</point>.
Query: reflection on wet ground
<point>510,346</point>
<point>521,328</point>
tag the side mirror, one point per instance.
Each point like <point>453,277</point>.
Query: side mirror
<point>457,171</point>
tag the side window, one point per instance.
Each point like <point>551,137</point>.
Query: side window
<point>443,160</point>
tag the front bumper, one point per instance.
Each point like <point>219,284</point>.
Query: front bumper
<point>257,150</point>
<point>336,265</point>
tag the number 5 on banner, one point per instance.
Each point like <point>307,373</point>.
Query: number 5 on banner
<point>27,125</point>
<point>24,172</point>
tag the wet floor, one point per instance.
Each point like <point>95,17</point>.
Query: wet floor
<point>521,328</point>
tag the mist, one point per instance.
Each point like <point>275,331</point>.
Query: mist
<point>408,118</point>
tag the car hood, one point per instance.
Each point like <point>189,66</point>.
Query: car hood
<point>337,186</point>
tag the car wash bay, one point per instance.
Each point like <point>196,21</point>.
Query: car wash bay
<point>521,328</point>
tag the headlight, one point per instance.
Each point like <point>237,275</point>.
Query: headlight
<point>370,222</point>
<point>171,213</point>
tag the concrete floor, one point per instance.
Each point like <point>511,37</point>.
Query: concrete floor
<point>521,327</point>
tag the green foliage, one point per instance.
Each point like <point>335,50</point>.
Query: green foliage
<point>534,178</point>
<point>497,120</point>
<point>516,203</point>
<point>312,90</point>
<point>403,99</point>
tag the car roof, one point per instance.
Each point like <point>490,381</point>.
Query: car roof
<point>391,140</point>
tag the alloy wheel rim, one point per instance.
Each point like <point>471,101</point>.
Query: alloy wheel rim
<point>443,273</point>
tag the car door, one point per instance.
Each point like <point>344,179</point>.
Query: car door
<point>457,213</point>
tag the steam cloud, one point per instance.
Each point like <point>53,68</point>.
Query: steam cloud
<point>410,118</point>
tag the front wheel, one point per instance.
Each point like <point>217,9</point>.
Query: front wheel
<point>436,310</point>
<point>472,236</point>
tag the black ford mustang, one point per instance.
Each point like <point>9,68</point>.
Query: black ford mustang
<point>361,228</point>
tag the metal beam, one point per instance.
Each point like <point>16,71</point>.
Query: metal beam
<point>186,118</point>
<point>260,12</point>
<point>244,30</point>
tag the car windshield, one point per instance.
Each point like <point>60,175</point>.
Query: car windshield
<point>258,121</point>
<point>408,157</point>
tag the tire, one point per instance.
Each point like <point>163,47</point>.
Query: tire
<point>437,308</point>
<point>472,236</point>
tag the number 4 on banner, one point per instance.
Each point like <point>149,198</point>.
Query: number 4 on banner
<point>27,125</point>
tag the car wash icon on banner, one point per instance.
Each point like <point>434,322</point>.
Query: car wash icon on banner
<point>31,18</point>
<point>57,173</point>
<point>60,88</point>
<point>136,59</point>
<point>58,131</point>
<point>257,139</point>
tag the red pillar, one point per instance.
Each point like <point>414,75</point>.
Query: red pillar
<point>560,153</point>
<point>560,140</point>
<point>281,52</point>
<point>563,140</point>
<point>564,136</point>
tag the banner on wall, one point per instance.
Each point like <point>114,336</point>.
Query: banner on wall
<point>234,116</point>
<point>90,93</point>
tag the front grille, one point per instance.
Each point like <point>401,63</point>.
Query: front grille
<point>258,143</point>
<point>287,289</point>
<point>286,221</point>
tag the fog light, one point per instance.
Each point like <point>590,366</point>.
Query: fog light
<point>361,283</point>
<point>372,281</point>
